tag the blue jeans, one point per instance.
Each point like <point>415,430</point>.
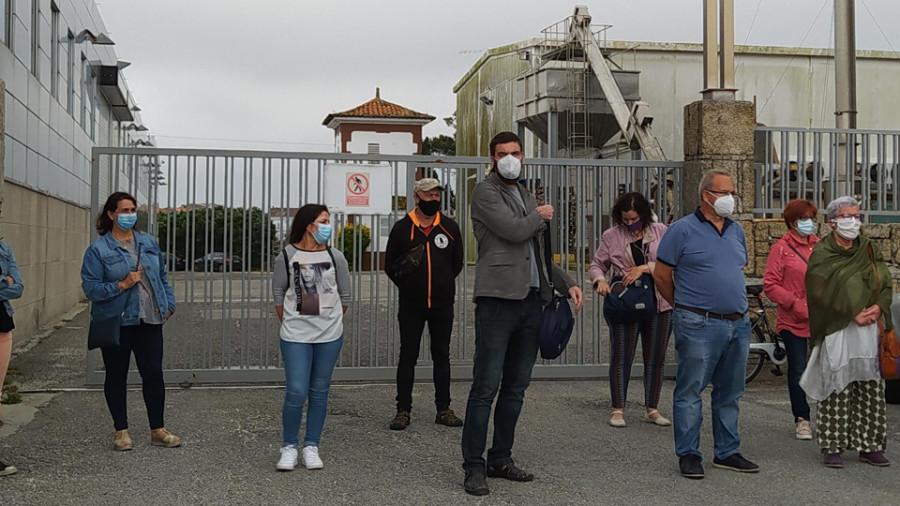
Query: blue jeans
<point>307,372</point>
<point>708,351</point>
<point>506,346</point>
<point>796,348</point>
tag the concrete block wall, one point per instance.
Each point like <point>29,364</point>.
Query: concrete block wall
<point>48,237</point>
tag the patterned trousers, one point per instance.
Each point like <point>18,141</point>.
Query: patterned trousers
<point>654,332</point>
<point>853,419</point>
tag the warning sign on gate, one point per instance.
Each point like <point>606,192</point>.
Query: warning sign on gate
<point>357,193</point>
<point>355,188</point>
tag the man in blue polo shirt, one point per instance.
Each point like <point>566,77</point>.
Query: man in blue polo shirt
<point>699,270</point>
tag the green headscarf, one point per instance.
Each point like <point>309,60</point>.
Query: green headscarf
<point>840,283</point>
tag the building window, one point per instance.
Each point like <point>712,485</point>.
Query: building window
<point>70,74</point>
<point>85,73</point>
<point>374,149</point>
<point>92,101</point>
<point>9,10</point>
<point>54,50</point>
<point>36,38</point>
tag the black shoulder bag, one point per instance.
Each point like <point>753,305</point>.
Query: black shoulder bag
<point>630,304</point>
<point>557,320</point>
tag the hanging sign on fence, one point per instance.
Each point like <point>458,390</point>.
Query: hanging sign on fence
<point>354,188</point>
<point>357,193</point>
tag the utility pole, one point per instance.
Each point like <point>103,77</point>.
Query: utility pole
<point>845,88</point>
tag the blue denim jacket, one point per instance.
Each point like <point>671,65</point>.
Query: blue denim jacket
<point>8,267</point>
<point>106,263</point>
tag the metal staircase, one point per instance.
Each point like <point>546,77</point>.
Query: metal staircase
<point>634,123</point>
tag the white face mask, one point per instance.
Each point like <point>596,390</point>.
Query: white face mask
<point>848,228</point>
<point>510,167</point>
<point>724,206</point>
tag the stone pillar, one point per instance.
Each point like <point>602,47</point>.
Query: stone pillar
<point>718,134</point>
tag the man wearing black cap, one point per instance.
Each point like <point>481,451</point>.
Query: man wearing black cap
<point>424,255</point>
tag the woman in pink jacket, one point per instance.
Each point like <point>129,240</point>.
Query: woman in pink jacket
<point>784,284</point>
<point>629,250</point>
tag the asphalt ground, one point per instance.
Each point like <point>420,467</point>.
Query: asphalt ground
<point>61,442</point>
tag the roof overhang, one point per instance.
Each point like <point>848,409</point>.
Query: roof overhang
<point>334,122</point>
<point>112,87</point>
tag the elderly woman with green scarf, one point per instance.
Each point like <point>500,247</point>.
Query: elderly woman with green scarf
<point>848,289</point>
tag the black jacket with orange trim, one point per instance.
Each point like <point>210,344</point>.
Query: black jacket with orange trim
<point>433,282</point>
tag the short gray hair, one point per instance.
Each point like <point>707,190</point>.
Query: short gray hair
<point>706,179</point>
<point>839,203</point>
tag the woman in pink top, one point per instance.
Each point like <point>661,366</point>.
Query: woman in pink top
<point>784,284</point>
<point>629,250</point>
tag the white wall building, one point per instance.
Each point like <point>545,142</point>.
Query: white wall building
<point>64,94</point>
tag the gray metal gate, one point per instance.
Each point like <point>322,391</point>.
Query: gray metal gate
<point>238,205</point>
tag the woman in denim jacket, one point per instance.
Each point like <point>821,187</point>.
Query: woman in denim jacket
<point>124,273</point>
<point>10,288</point>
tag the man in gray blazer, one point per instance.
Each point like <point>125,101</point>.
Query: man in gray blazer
<point>511,288</point>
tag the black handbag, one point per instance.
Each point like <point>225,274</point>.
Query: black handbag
<point>557,320</point>
<point>630,304</point>
<point>104,333</point>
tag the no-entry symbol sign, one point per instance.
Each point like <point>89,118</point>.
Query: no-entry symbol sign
<point>352,188</point>
<point>357,192</point>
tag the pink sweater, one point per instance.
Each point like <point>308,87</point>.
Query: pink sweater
<point>615,252</point>
<point>785,283</point>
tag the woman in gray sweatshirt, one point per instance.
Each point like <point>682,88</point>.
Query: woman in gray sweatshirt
<point>312,291</point>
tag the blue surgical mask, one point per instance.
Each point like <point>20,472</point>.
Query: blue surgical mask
<point>806,227</point>
<point>323,233</point>
<point>126,221</point>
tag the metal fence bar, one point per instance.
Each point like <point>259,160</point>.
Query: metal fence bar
<point>809,163</point>
<point>229,203</point>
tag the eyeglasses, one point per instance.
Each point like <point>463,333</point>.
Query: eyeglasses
<point>722,193</point>
<point>858,216</point>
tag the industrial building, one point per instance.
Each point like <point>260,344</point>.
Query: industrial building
<point>792,87</point>
<point>65,93</point>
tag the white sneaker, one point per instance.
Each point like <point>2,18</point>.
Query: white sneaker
<point>288,459</point>
<point>311,458</point>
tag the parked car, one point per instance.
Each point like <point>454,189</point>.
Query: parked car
<point>174,262</point>
<point>218,262</point>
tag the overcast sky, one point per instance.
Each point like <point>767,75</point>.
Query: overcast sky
<point>271,70</point>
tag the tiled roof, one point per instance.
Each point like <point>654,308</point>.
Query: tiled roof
<point>379,108</point>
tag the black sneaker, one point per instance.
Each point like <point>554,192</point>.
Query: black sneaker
<point>691,466</point>
<point>737,463</point>
<point>400,421</point>
<point>510,471</point>
<point>6,469</point>
<point>475,483</point>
